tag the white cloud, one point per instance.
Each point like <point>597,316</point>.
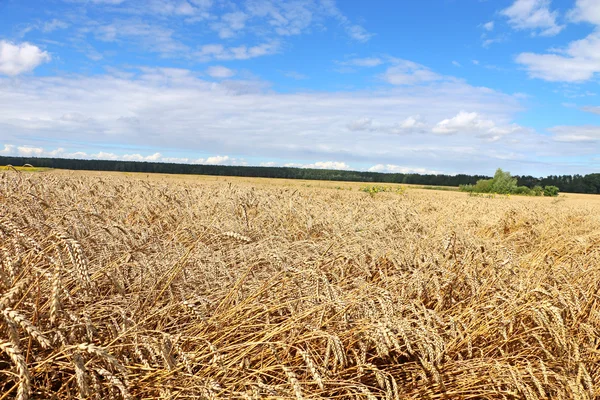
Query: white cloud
<point>362,124</point>
<point>219,52</point>
<point>176,160</point>
<point>230,24</point>
<point>216,160</point>
<point>355,32</point>
<point>397,169</point>
<point>406,72</point>
<point>16,59</point>
<point>489,26</point>
<point>31,151</point>
<point>176,111</point>
<point>488,42</point>
<point>533,15</point>
<point>321,165</point>
<point>138,157</point>
<point>221,72</point>
<point>456,64</point>
<point>151,37</point>
<point>53,25</point>
<point>591,109</point>
<point>359,33</point>
<point>473,123</point>
<point>363,62</point>
<point>586,11</point>
<point>286,18</point>
<point>411,124</point>
<point>463,121</point>
<point>576,134</point>
<point>579,62</point>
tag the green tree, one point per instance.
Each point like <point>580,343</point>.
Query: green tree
<point>551,191</point>
<point>503,182</point>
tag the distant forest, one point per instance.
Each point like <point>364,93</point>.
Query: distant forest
<point>566,183</point>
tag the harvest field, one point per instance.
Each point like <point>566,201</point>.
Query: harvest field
<point>137,286</point>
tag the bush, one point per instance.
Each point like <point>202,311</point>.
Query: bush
<point>483,186</point>
<point>537,191</point>
<point>523,190</point>
<point>551,191</point>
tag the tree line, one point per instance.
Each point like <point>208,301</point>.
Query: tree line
<point>566,183</point>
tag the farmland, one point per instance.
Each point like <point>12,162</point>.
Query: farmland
<point>152,286</point>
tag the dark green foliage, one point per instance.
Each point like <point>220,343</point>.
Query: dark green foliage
<point>224,170</point>
<point>504,183</point>
<point>523,190</point>
<point>551,191</point>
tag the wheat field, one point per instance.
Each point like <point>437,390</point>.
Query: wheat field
<point>143,287</point>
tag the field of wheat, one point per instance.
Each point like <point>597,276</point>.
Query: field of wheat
<point>124,286</point>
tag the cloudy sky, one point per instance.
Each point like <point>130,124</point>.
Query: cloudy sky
<point>451,86</point>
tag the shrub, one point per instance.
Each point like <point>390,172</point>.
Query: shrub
<point>483,186</point>
<point>551,191</point>
<point>537,191</point>
<point>523,190</point>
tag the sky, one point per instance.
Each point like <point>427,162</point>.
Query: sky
<point>428,86</point>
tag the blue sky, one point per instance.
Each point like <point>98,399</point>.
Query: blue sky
<point>450,86</point>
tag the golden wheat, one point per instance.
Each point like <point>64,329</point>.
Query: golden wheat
<point>125,286</point>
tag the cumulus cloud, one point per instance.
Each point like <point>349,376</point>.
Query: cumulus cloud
<point>473,123</point>
<point>32,151</point>
<point>397,169</point>
<point>585,11</point>
<point>219,71</point>
<point>16,59</point>
<point>463,121</point>
<point>533,15</point>
<point>177,111</point>
<point>406,72</point>
<point>579,62</point>
<point>337,165</point>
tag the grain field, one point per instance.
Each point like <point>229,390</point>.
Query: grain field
<point>140,287</point>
